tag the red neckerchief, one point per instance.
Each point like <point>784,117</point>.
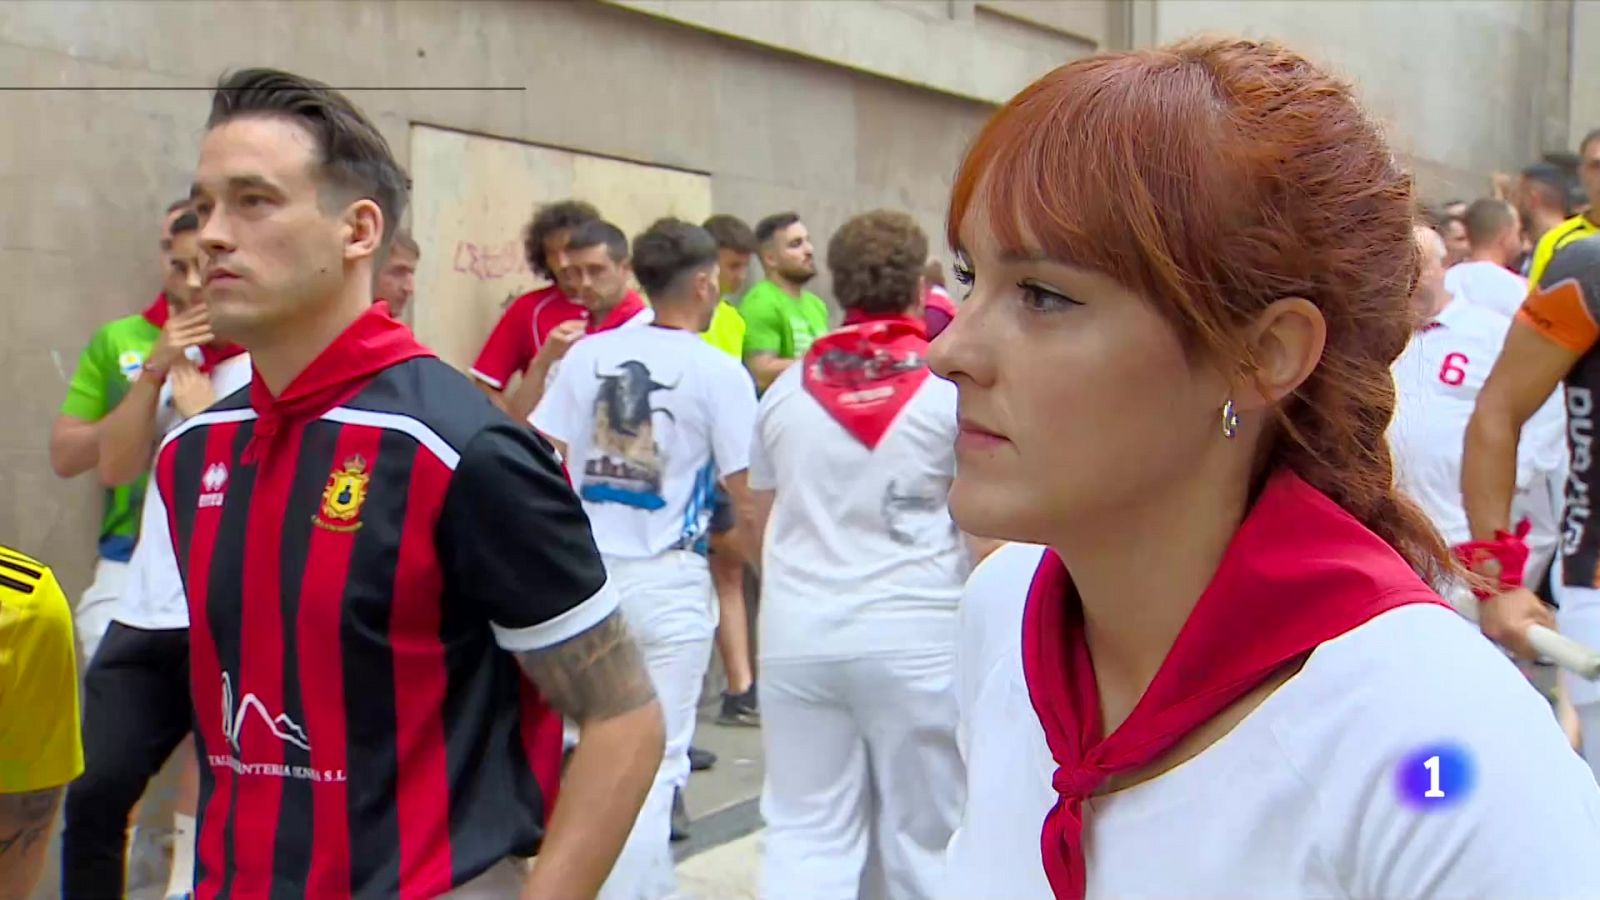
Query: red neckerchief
<point>866,372</point>
<point>625,310</point>
<point>215,354</point>
<point>156,313</point>
<point>372,343</point>
<point>1300,571</point>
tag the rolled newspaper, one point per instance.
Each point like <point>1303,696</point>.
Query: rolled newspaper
<point>1579,659</point>
<point>1565,652</point>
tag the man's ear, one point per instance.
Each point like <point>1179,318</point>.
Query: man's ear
<point>363,223</point>
<point>1285,344</point>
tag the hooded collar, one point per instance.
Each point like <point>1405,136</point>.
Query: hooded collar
<point>373,342</point>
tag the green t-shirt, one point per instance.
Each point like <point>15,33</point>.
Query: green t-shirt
<point>106,370</point>
<point>779,324</point>
<point>726,332</point>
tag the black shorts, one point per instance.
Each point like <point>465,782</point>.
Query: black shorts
<point>722,520</point>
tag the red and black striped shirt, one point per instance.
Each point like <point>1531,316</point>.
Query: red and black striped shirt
<point>358,555</point>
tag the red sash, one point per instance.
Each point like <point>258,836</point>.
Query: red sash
<point>1300,571</point>
<point>866,372</point>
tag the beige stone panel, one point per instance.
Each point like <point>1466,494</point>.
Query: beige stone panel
<point>632,196</point>
<point>473,195</point>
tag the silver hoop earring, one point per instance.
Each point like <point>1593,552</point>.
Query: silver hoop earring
<point>1230,420</point>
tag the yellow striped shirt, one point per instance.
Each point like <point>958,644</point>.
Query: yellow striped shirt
<point>40,745</point>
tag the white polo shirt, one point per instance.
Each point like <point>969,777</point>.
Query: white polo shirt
<point>860,556</point>
<point>1438,378</point>
<point>1486,284</point>
<point>1300,798</point>
<point>152,598</point>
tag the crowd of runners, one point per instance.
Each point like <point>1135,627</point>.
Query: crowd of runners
<point>1198,547</point>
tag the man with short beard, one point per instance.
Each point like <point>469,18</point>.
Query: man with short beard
<point>781,317</point>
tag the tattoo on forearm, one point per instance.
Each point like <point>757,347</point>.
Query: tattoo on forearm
<point>25,820</point>
<point>595,675</point>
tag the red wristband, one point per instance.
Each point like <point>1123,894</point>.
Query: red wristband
<point>1508,554</point>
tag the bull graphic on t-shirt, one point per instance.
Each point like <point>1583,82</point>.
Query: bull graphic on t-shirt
<point>624,464</point>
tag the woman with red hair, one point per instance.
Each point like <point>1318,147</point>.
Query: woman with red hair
<point>1223,671</point>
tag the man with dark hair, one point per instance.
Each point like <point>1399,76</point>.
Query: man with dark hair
<point>649,419</point>
<point>396,279</point>
<point>736,244</point>
<point>596,270</point>
<point>1544,195</point>
<point>781,317</point>
<point>858,655</point>
<point>1486,277</point>
<point>538,327</point>
<point>1583,224</point>
<point>393,591</point>
<point>106,371</point>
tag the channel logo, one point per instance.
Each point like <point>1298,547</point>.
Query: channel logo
<point>1436,776</point>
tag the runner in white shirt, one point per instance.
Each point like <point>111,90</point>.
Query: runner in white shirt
<point>1485,278</point>
<point>136,690</point>
<point>1224,671</point>
<point>862,570</point>
<point>1438,378</point>
<point>648,419</point>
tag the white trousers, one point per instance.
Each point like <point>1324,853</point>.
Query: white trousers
<point>95,608</point>
<point>864,784</point>
<point>666,602</point>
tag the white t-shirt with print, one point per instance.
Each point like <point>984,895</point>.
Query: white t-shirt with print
<point>153,598</point>
<point>860,556</point>
<point>1438,377</point>
<point>1300,799</point>
<point>652,418</point>
<point>1486,284</point>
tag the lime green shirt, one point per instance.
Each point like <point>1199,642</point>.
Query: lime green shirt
<point>726,332</point>
<point>779,324</point>
<point>106,371</point>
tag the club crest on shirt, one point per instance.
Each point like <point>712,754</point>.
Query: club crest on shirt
<point>342,498</point>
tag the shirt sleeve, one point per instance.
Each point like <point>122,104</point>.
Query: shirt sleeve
<point>762,331</point>
<point>86,393</point>
<point>1565,305</point>
<point>560,412</point>
<point>40,747</point>
<point>158,600</point>
<point>514,540</point>
<point>509,348</point>
<point>733,404</point>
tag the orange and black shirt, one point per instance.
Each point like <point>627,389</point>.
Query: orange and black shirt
<point>1564,307</point>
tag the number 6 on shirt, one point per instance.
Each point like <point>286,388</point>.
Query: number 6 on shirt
<point>1453,372</point>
